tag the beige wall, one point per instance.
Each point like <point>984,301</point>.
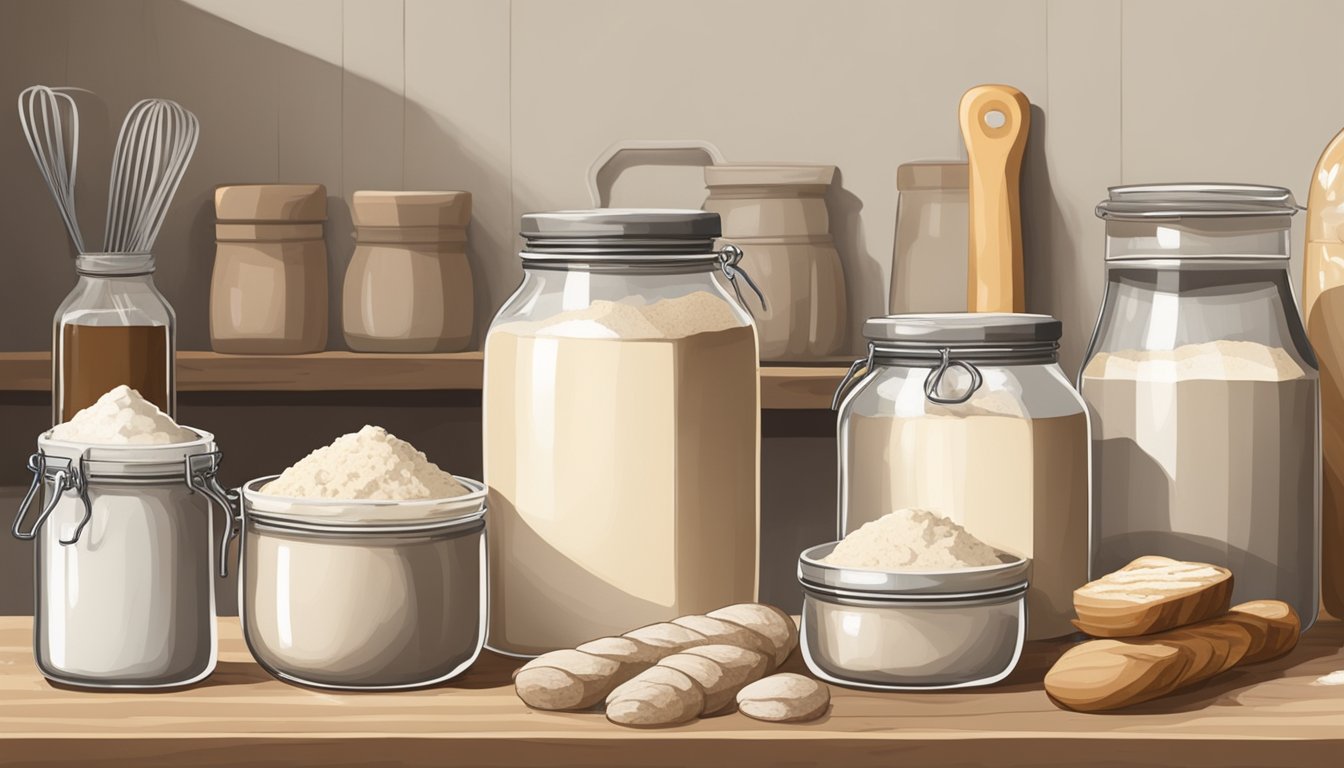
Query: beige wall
<point>513,100</point>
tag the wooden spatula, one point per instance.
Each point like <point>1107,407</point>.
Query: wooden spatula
<point>995,120</point>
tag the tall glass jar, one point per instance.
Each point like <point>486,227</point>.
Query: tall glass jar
<point>969,416</point>
<point>622,423</point>
<point>1202,391</point>
<point>114,328</point>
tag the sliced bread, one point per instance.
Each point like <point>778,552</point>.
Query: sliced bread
<point>1152,594</point>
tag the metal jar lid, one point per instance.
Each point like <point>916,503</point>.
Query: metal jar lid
<point>620,234</point>
<point>1142,202</point>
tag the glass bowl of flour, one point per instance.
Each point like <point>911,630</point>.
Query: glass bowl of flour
<point>363,567</point>
<point>912,601</point>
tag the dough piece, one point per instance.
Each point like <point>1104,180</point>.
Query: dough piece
<point>624,649</point>
<point>767,620</point>
<point>666,636</point>
<point>1152,594</point>
<point>718,631</point>
<point>721,670</point>
<point>784,698</point>
<point>570,679</point>
<point>647,712</point>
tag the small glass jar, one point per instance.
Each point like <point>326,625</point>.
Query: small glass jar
<point>970,417</point>
<point>363,595</point>
<point>622,422</point>
<point>124,582</point>
<point>1203,391</point>
<point>114,328</point>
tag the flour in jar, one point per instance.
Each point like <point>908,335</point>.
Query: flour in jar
<point>912,540</point>
<point>1190,446</point>
<point>122,417</point>
<point>369,464</point>
<point>621,454</point>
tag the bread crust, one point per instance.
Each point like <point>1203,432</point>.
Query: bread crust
<point>1152,594</point>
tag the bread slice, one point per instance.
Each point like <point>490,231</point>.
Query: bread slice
<point>1109,674</point>
<point>1274,625</point>
<point>1152,594</point>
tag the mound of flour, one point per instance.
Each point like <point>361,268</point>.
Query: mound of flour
<point>368,464</point>
<point>911,540</point>
<point>122,417</point>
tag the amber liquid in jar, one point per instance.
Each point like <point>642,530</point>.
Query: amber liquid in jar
<point>98,358</point>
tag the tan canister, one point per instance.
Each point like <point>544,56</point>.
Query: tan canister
<point>409,287</point>
<point>268,292</point>
<point>777,215</point>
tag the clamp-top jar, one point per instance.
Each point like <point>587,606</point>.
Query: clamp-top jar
<point>125,592</point>
<point>969,416</point>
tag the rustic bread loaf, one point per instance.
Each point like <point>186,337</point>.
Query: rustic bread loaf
<point>1152,594</point>
<point>1101,675</point>
<point>784,698</point>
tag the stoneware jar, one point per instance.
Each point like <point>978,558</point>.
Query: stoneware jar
<point>408,287</point>
<point>268,293</point>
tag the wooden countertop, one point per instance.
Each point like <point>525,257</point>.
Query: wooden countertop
<point>1269,714</point>
<point>782,387</point>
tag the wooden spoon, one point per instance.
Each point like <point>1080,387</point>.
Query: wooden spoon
<point>995,120</point>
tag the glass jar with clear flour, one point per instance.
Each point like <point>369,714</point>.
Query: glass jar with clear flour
<point>970,417</point>
<point>622,417</point>
<point>1203,391</point>
<point>124,576</point>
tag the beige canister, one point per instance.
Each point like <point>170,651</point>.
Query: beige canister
<point>268,292</point>
<point>409,285</point>
<point>777,215</point>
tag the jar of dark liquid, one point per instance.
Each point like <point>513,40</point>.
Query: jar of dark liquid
<point>114,328</point>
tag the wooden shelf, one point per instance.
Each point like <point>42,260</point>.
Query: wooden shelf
<point>1268,714</point>
<point>782,387</point>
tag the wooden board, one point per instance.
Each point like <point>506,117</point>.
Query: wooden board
<point>1269,714</point>
<point>784,387</point>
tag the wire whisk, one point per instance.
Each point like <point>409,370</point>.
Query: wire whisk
<point>44,126</point>
<point>154,147</point>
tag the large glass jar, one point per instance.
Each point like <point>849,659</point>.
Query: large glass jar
<point>114,328</point>
<point>970,417</point>
<point>1202,391</point>
<point>621,410</point>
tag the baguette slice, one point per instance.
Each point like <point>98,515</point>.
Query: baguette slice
<point>1278,623</point>
<point>1152,594</point>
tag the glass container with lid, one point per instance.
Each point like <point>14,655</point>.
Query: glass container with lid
<point>114,328</point>
<point>622,415</point>
<point>1202,391</point>
<point>970,417</point>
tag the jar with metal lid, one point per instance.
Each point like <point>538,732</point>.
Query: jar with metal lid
<point>363,594</point>
<point>622,416</point>
<point>970,417</point>
<point>408,287</point>
<point>929,263</point>
<point>1203,391</point>
<point>125,593</point>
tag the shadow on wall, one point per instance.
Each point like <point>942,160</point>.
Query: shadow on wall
<point>268,112</point>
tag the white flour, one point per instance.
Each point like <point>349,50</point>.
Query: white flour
<point>368,464</point>
<point>911,540</point>
<point>675,318</point>
<point>122,417</point>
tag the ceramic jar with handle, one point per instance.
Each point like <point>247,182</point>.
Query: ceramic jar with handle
<point>268,292</point>
<point>777,215</point>
<point>409,285</point>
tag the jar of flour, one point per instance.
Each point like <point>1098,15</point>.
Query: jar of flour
<point>969,416</point>
<point>621,429</point>
<point>1203,391</point>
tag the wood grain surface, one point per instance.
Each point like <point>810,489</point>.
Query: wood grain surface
<point>782,387</point>
<point>1269,714</point>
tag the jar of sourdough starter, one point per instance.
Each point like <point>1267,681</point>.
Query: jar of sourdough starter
<point>622,417</point>
<point>970,417</point>
<point>1202,391</point>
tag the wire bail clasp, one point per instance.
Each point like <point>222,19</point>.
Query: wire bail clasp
<point>729,256</point>
<point>64,478</point>
<point>202,470</point>
<point>935,379</point>
<point>857,370</point>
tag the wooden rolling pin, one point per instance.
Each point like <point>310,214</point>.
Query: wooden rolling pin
<point>1323,310</point>
<point>995,120</point>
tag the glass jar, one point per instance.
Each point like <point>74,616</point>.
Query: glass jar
<point>622,422</point>
<point>114,328</point>
<point>928,270</point>
<point>1202,391</point>
<point>125,594</point>
<point>970,417</point>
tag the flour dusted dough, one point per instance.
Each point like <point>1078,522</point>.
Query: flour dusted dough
<point>368,464</point>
